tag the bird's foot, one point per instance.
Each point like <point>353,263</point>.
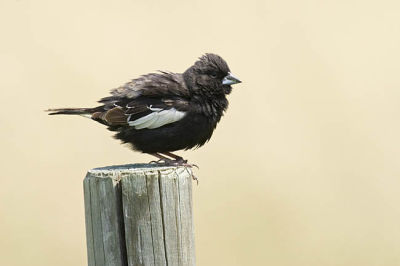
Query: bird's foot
<point>183,163</point>
<point>169,162</point>
<point>190,165</point>
<point>177,161</point>
<point>195,178</point>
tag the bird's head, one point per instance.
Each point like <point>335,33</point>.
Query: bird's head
<point>210,75</point>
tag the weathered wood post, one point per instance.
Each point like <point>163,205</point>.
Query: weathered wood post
<point>139,214</point>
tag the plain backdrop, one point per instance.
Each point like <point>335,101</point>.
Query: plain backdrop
<point>302,170</point>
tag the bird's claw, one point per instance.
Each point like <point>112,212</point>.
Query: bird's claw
<point>195,179</point>
<point>178,162</point>
<point>190,165</point>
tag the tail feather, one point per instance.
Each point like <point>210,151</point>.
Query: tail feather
<point>70,111</point>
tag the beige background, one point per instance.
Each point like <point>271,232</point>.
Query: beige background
<point>303,169</point>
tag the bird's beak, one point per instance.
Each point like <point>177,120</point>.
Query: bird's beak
<point>230,79</point>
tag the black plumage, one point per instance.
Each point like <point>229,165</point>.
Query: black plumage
<point>163,112</point>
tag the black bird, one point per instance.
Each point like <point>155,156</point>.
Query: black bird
<point>159,113</point>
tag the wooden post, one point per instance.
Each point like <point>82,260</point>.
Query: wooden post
<point>139,214</point>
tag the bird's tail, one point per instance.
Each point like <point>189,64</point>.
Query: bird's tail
<point>70,111</point>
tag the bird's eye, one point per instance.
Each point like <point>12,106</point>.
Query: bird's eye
<point>213,74</point>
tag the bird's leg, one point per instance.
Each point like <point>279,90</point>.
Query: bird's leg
<point>161,158</point>
<point>179,160</point>
<point>176,157</point>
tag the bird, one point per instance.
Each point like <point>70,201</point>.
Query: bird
<point>163,112</point>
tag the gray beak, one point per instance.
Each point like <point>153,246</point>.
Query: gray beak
<point>230,79</point>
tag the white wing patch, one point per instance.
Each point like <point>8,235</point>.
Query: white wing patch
<point>158,118</point>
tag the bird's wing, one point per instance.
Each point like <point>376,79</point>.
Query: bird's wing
<point>150,101</point>
<point>153,85</point>
<point>144,112</point>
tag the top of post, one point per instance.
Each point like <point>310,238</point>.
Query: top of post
<point>135,168</point>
